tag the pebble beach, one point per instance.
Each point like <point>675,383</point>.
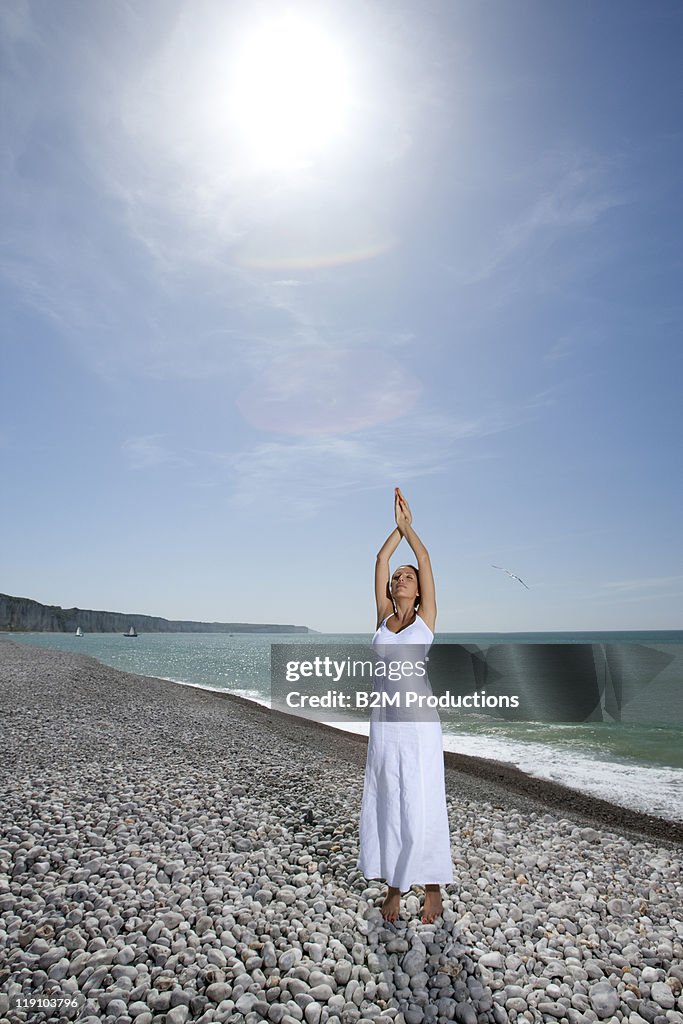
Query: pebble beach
<point>170,854</point>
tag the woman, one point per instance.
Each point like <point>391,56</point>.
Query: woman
<point>404,837</point>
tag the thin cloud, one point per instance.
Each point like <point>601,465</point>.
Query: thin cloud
<point>562,348</point>
<point>644,583</point>
<point>145,452</point>
<point>632,598</point>
<point>574,198</point>
<point>15,19</point>
<point>305,476</point>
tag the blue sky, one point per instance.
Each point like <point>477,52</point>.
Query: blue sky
<point>237,315</point>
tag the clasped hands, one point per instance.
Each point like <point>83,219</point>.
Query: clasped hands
<point>402,513</point>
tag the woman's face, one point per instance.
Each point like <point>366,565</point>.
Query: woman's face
<point>404,583</point>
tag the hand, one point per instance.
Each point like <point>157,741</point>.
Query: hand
<point>402,511</point>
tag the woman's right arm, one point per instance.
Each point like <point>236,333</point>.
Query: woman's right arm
<point>382,600</point>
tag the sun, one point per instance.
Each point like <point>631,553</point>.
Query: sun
<point>289,91</point>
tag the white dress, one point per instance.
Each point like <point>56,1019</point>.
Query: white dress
<point>404,836</point>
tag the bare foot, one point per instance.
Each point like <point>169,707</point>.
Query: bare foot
<point>433,904</point>
<point>392,904</point>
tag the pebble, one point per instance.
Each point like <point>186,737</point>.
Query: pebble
<point>604,999</point>
<point>166,882</point>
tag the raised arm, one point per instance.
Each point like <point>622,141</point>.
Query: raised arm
<point>424,565</point>
<point>382,599</point>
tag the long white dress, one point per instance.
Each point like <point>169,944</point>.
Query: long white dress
<point>404,835</point>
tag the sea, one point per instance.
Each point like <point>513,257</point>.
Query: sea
<point>635,762</point>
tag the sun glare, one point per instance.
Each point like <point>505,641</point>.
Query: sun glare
<point>289,91</point>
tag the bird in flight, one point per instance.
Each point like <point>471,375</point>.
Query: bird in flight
<point>511,574</point>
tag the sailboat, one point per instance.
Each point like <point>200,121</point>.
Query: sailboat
<point>131,632</point>
<point>79,631</point>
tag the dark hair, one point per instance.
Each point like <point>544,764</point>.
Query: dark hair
<point>417,574</point>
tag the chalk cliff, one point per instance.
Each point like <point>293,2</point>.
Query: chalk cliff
<point>21,614</point>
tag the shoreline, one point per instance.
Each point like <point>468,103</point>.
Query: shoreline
<point>508,777</point>
<point>513,781</point>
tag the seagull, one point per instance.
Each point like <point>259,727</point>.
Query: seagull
<point>511,574</point>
